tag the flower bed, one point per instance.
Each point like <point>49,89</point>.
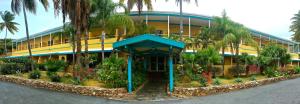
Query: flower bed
<point>83,90</point>
<point>202,91</point>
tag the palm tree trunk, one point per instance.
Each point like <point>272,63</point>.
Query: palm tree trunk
<point>223,61</point>
<point>86,49</point>
<point>102,45</point>
<point>78,51</point>
<point>5,47</point>
<point>237,58</point>
<point>27,36</point>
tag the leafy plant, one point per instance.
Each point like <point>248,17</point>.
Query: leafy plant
<point>236,70</point>
<point>253,78</point>
<point>195,84</point>
<point>238,80</point>
<point>35,74</point>
<point>203,82</point>
<point>297,70</point>
<point>24,62</point>
<point>111,73</point>
<point>54,77</point>
<point>270,72</point>
<point>11,68</point>
<point>55,65</point>
<point>217,81</point>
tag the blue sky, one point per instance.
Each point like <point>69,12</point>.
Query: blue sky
<point>269,16</point>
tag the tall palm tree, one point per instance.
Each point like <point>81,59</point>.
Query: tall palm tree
<point>121,22</point>
<point>220,30</point>
<point>78,13</point>
<point>139,4</point>
<point>295,27</point>
<point>106,16</point>
<point>27,5</point>
<point>9,25</point>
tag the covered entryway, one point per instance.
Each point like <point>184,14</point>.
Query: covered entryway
<point>153,49</point>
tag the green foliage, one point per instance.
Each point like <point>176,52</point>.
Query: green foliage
<point>271,72</point>
<point>110,72</point>
<point>297,70</point>
<point>11,68</point>
<point>55,65</point>
<point>54,77</point>
<point>295,27</point>
<point>217,81</point>
<point>207,57</point>
<point>247,59</point>
<point>253,78</point>
<point>35,74</point>
<point>143,28</point>
<point>238,80</point>
<point>236,70</point>
<point>272,54</point>
<point>25,62</point>
<point>203,82</point>
<point>195,84</point>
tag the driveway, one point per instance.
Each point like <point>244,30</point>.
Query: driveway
<point>284,92</point>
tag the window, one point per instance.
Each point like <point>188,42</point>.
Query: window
<point>50,43</point>
<point>66,40</point>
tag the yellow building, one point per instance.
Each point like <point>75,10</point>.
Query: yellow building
<point>53,43</point>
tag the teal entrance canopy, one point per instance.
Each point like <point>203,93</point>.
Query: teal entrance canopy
<point>149,44</point>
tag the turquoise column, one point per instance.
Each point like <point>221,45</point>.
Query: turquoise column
<point>171,85</point>
<point>129,62</point>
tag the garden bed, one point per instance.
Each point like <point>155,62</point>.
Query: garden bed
<point>112,93</point>
<point>202,91</point>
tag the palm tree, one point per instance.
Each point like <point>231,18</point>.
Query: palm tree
<point>139,3</point>
<point>104,10</point>
<point>27,5</point>
<point>239,34</point>
<point>121,22</point>
<point>220,30</point>
<point>78,13</point>
<point>9,25</point>
<point>295,27</point>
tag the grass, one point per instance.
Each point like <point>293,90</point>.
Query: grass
<point>224,81</point>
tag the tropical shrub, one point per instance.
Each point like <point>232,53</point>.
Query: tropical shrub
<point>195,84</point>
<point>111,73</point>
<point>55,65</point>
<point>238,80</point>
<point>54,77</point>
<point>271,72</point>
<point>297,70</point>
<point>217,81</point>
<point>11,68</point>
<point>35,74</point>
<point>236,70</point>
<point>273,56</point>
<point>25,62</point>
<point>203,82</point>
<point>253,78</point>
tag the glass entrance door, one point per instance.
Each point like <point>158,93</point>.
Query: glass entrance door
<point>158,64</point>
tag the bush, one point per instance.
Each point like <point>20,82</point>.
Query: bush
<point>203,82</point>
<point>236,70</point>
<point>55,65</point>
<point>25,62</point>
<point>11,68</point>
<point>270,72</point>
<point>238,80</point>
<point>111,73</point>
<point>54,77</point>
<point>35,74</point>
<point>253,78</point>
<point>195,84</point>
<point>217,81</point>
<point>297,70</point>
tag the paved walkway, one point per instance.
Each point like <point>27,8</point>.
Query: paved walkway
<point>284,92</point>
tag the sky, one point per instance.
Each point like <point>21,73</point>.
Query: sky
<point>269,16</point>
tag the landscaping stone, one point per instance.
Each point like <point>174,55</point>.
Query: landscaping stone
<point>83,90</point>
<point>203,91</point>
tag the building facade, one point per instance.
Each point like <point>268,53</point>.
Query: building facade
<point>55,44</point>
